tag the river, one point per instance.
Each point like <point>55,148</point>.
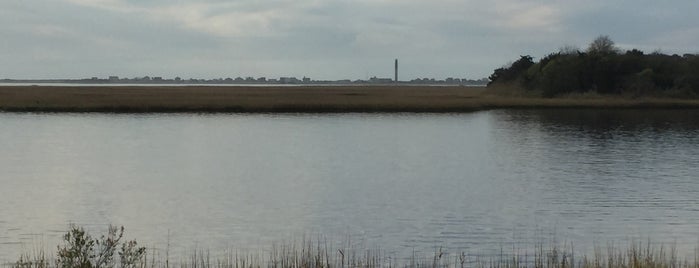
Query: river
<point>475,182</point>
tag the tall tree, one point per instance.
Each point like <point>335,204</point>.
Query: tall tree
<point>602,45</point>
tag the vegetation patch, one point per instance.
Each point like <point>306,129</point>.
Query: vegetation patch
<point>81,250</point>
<point>603,68</point>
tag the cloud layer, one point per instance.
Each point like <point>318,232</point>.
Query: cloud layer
<point>323,39</point>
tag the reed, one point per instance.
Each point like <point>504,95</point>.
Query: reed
<point>302,99</point>
<point>318,254</point>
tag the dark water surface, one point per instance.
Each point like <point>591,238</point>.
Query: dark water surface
<point>402,182</point>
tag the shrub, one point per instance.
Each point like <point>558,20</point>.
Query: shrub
<point>80,250</point>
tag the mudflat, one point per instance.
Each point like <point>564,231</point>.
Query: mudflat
<point>302,99</point>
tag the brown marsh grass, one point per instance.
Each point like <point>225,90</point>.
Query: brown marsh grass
<point>302,99</point>
<point>319,255</point>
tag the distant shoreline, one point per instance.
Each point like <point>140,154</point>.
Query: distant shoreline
<point>97,85</point>
<point>250,81</point>
<point>298,99</point>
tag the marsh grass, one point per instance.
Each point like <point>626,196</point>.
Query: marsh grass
<point>304,99</point>
<point>318,254</point>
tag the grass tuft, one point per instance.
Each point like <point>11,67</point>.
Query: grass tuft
<point>309,254</point>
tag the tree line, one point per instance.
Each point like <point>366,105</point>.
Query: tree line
<point>605,69</point>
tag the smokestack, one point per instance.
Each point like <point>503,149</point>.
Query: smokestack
<point>396,75</point>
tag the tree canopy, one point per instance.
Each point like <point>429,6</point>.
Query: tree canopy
<point>602,45</point>
<point>604,69</point>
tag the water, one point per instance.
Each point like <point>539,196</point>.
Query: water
<point>476,182</point>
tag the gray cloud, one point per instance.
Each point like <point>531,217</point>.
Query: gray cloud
<point>325,39</point>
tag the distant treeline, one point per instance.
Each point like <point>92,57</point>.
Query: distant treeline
<point>605,69</point>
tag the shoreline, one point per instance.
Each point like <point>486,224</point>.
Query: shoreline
<point>310,253</point>
<point>300,99</point>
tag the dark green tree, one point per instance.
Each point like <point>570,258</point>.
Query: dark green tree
<point>604,69</point>
<point>512,72</point>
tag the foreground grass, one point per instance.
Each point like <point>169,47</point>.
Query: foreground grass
<point>306,99</point>
<point>81,250</point>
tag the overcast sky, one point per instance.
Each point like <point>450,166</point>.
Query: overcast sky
<point>322,39</point>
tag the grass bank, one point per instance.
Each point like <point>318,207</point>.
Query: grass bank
<point>80,249</point>
<point>320,255</point>
<point>301,99</point>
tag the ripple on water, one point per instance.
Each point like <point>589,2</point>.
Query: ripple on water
<point>480,181</point>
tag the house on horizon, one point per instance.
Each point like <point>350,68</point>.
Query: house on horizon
<point>377,80</point>
<point>289,80</point>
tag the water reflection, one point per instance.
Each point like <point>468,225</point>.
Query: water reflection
<point>613,173</point>
<point>605,121</point>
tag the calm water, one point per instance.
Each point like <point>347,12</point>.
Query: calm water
<point>404,183</point>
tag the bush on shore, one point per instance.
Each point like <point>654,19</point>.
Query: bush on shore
<point>80,250</point>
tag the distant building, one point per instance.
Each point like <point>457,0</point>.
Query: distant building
<point>396,70</point>
<point>113,78</point>
<point>306,80</point>
<point>288,80</point>
<point>451,80</point>
<point>377,80</point>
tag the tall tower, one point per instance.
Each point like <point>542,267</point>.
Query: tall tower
<point>396,73</point>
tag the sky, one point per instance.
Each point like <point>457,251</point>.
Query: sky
<point>320,39</point>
